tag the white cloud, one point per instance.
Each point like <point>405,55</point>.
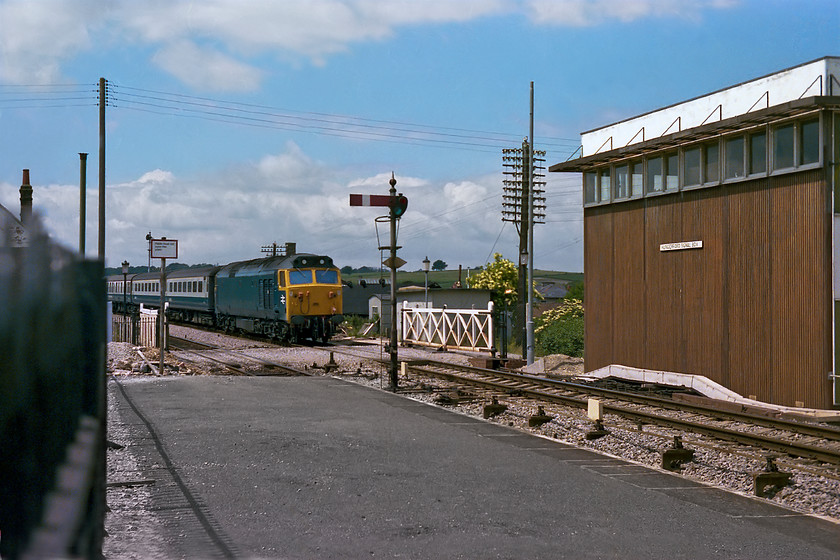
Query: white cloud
<point>584,13</point>
<point>207,69</point>
<point>212,44</point>
<point>37,37</point>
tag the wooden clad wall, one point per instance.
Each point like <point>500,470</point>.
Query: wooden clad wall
<point>750,310</point>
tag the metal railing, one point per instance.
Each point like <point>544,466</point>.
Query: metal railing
<point>463,329</point>
<point>52,399</point>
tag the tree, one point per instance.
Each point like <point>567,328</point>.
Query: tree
<point>575,291</point>
<point>501,277</point>
<point>561,330</point>
<point>438,265</point>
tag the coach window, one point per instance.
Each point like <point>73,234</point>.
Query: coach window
<point>809,142</point>
<point>604,177</point>
<point>672,171</point>
<point>733,166</point>
<point>590,179</point>
<point>783,147</point>
<point>637,174</point>
<point>622,183</point>
<point>691,167</point>
<point>654,175</point>
<point>711,163</point>
<point>201,286</point>
<point>758,153</point>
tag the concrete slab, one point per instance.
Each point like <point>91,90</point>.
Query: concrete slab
<point>322,468</point>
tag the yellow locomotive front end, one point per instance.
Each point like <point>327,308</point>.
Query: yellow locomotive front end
<point>312,290</point>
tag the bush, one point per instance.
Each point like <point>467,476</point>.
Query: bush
<point>560,330</point>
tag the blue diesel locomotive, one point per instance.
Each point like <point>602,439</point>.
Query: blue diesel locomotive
<point>291,298</point>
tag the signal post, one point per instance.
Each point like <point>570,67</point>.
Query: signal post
<point>162,249</point>
<point>397,203</point>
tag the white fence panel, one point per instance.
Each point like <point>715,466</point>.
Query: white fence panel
<point>462,329</point>
<point>139,330</point>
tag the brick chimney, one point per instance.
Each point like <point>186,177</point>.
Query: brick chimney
<point>25,198</point>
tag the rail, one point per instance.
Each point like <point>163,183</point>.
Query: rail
<point>52,400</point>
<point>462,329</point>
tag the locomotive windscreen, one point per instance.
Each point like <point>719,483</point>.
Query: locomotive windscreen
<point>326,276</point>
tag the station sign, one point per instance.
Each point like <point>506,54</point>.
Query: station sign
<point>164,248</point>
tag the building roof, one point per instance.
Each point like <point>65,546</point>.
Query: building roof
<point>807,87</point>
<point>699,133</point>
<point>14,232</point>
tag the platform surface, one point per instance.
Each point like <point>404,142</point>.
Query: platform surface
<point>323,468</point>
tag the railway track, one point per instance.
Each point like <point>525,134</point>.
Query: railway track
<point>800,439</point>
<point>229,360</point>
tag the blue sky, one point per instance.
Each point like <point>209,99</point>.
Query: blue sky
<point>233,124</point>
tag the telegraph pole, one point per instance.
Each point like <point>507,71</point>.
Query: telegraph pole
<point>82,194</point>
<point>103,99</point>
<point>529,316</point>
<point>523,203</point>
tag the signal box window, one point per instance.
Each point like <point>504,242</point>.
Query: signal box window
<point>734,152</point>
<point>605,185</point>
<point>691,172</point>
<point>637,174</point>
<point>711,168</point>
<point>654,175</point>
<point>622,182</point>
<point>590,179</point>
<point>783,147</point>
<point>758,153</point>
<point>672,171</point>
<point>809,142</point>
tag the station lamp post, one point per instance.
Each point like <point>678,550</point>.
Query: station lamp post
<point>426,271</point>
<point>125,281</point>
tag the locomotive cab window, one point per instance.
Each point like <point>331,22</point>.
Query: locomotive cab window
<point>326,276</point>
<point>300,277</point>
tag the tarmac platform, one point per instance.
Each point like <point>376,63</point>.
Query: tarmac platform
<point>316,467</point>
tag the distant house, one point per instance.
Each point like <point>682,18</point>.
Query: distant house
<point>552,293</point>
<point>356,298</point>
<point>451,298</point>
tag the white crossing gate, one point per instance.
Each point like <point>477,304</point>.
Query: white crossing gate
<point>461,329</point>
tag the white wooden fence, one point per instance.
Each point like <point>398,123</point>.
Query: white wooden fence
<point>462,329</point>
<point>139,330</point>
